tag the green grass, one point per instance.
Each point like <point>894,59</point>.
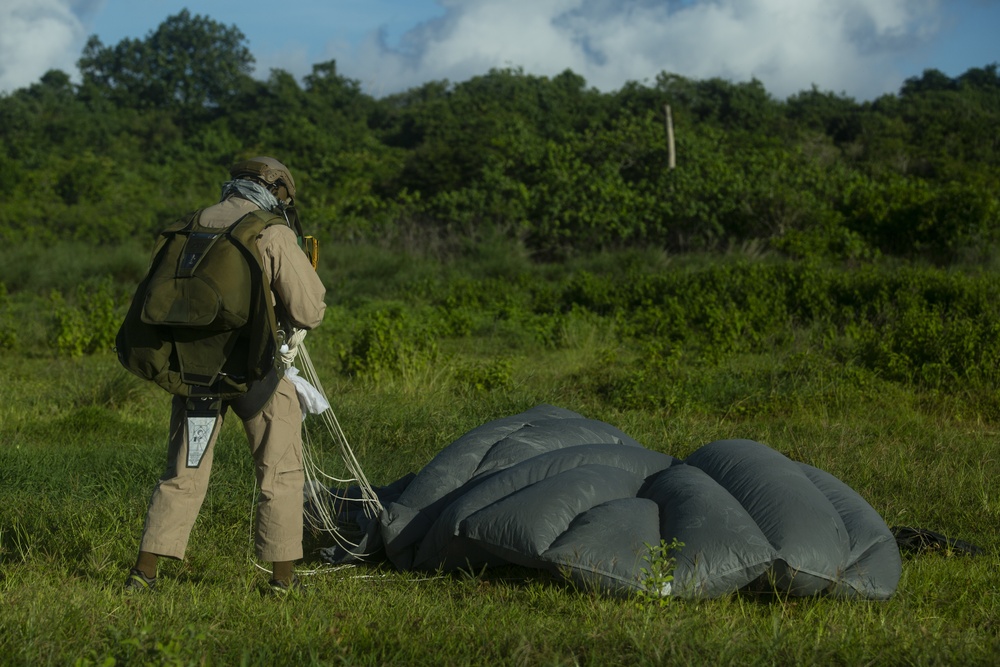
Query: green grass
<point>77,474</point>
<point>82,443</point>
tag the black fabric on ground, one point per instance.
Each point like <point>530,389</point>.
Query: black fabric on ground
<point>552,490</point>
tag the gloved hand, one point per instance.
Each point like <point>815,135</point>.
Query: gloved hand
<point>290,349</point>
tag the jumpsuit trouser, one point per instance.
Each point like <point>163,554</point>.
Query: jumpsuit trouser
<point>275,438</point>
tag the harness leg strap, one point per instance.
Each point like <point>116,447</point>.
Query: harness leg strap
<point>257,395</point>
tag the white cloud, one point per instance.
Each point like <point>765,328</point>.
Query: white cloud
<point>848,45</point>
<point>36,36</point>
<point>852,46</point>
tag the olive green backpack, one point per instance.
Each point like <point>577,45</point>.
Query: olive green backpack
<point>202,322</point>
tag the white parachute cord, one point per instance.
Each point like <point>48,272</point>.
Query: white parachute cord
<point>323,515</point>
<point>323,489</point>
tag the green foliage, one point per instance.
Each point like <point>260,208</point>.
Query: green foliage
<point>485,377</point>
<point>639,324</point>
<point>33,268</point>
<point>935,330</point>
<point>658,573</point>
<point>390,342</point>
<point>8,326</point>
<point>545,162</point>
<point>912,217</point>
<point>89,325</point>
<point>188,63</point>
<point>177,649</point>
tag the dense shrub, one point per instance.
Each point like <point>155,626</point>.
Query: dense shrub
<point>561,168</point>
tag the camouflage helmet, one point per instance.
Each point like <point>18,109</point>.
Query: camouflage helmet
<point>268,171</point>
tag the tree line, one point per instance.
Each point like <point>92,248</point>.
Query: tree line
<point>547,162</point>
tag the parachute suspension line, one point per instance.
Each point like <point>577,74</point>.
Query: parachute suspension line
<point>325,495</point>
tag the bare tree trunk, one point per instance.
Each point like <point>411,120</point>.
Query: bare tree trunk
<point>671,155</point>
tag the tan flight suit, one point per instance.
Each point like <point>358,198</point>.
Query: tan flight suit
<point>274,434</point>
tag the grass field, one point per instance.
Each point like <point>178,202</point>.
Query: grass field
<point>81,444</point>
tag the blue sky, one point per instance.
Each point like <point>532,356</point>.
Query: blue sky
<point>863,48</point>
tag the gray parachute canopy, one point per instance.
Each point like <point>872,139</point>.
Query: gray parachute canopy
<point>549,489</point>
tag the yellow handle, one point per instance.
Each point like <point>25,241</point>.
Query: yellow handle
<point>311,245</point>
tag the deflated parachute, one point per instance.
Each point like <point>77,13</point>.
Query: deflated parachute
<point>549,489</point>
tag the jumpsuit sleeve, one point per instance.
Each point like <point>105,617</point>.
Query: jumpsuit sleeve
<point>294,282</point>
